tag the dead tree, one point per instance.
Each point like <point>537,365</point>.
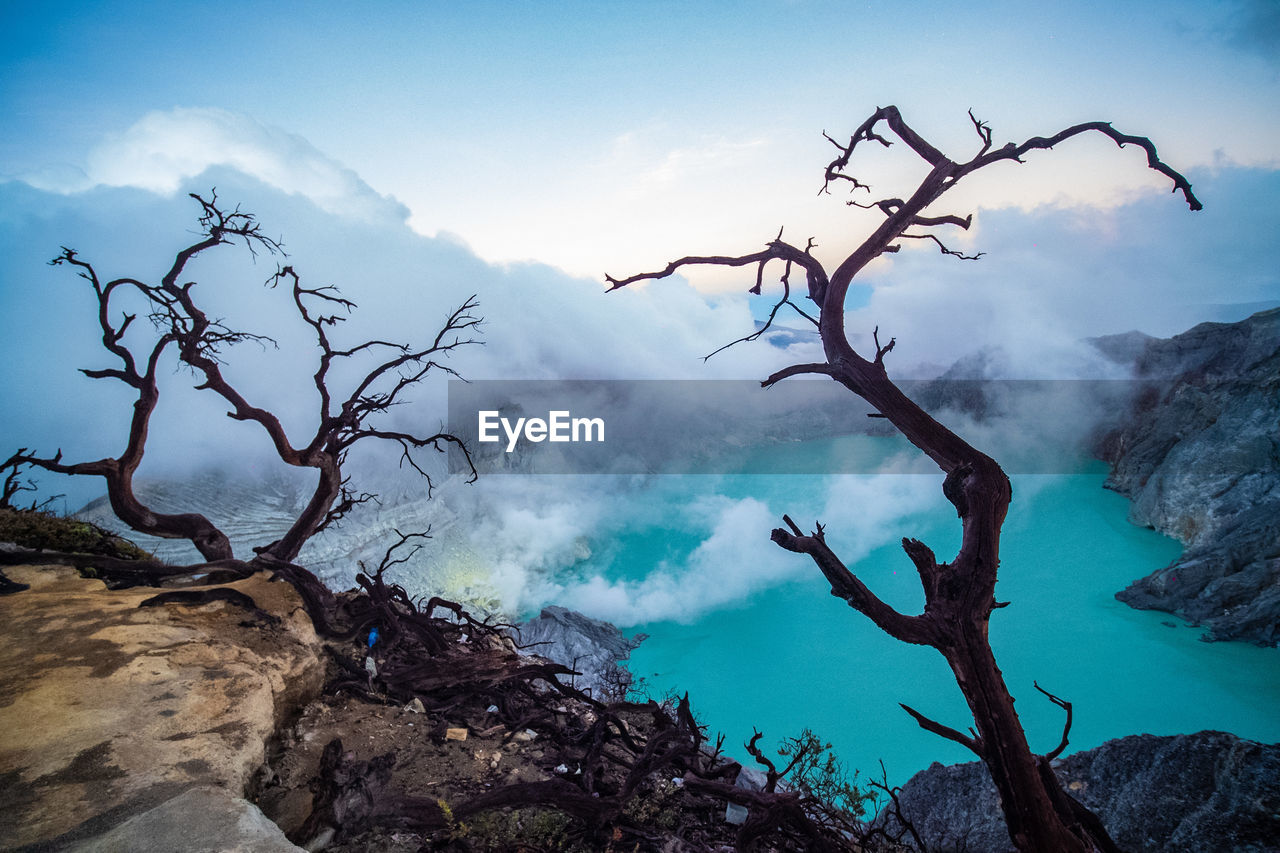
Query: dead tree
<point>960,594</point>
<point>200,343</point>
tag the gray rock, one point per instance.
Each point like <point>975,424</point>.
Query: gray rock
<point>589,646</point>
<point>200,820</point>
<point>1199,456</point>
<point>735,814</point>
<point>1208,792</point>
<point>748,779</point>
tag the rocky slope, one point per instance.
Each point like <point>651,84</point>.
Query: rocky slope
<point>1199,456</point>
<point>1208,792</point>
<point>254,511</point>
<point>590,647</point>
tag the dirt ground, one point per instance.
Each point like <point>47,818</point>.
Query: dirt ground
<point>430,760</point>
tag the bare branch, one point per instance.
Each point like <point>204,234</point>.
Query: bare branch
<point>974,745</point>
<point>771,772</point>
<point>347,501</point>
<point>866,133</point>
<point>776,250</point>
<point>983,130</point>
<point>692,260</point>
<point>1066,728</point>
<point>881,351</point>
<point>13,486</point>
<point>880,828</point>
<point>942,246</point>
<point>1016,152</point>
<point>449,338</point>
<point>949,219</point>
<point>404,538</point>
<point>785,299</point>
<point>796,370</point>
<point>844,584</point>
<point>409,442</point>
<point>887,206</point>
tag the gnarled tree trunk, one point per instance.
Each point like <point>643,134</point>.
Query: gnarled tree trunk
<point>959,595</point>
<point>200,341</point>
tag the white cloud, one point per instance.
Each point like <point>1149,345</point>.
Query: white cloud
<point>645,169</point>
<point>164,149</point>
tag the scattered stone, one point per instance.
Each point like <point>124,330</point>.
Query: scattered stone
<point>415,707</point>
<point>371,666</point>
<point>525,736</point>
<point>491,758</point>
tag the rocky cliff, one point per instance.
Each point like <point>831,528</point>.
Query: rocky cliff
<point>1209,792</point>
<point>119,718</point>
<point>591,648</point>
<point>1199,456</point>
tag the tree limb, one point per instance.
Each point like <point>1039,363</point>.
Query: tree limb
<point>1016,152</point>
<point>972,744</point>
<point>844,584</point>
<point>796,370</point>
<point>1066,728</point>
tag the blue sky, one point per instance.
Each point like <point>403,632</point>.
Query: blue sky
<point>415,153</point>
<point>597,136</point>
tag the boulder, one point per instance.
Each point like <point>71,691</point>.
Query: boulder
<point>109,709</point>
<point>589,646</point>
<point>200,820</point>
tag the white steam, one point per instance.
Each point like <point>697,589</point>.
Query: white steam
<point>555,548</point>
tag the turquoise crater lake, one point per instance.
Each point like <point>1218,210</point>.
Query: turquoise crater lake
<point>787,655</point>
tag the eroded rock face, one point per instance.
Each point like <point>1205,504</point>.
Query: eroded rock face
<point>109,709</point>
<point>1200,459</point>
<point>591,647</point>
<point>1208,792</point>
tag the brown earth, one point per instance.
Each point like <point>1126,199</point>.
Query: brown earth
<point>428,764</point>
